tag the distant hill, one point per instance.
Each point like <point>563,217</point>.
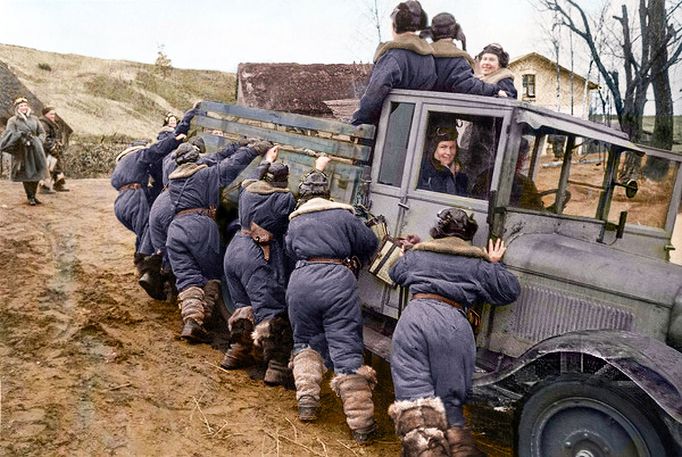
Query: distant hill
<point>113,97</point>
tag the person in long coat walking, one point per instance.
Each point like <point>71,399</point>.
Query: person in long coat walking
<point>23,140</point>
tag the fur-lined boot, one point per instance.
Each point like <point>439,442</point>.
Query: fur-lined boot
<point>462,443</point>
<point>355,391</point>
<point>276,340</point>
<point>150,279</point>
<point>421,425</point>
<point>308,369</point>
<point>191,303</point>
<point>213,299</point>
<point>240,353</point>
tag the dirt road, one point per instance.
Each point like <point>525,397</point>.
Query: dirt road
<point>91,366</point>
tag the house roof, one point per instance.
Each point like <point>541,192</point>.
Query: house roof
<point>297,88</point>
<point>13,88</point>
<point>592,85</point>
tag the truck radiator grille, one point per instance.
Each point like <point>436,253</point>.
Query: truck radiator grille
<point>542,313</point>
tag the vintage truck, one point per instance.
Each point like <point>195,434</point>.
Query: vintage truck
<point>588,361</point>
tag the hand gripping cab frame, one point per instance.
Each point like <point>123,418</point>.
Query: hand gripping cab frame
<point>588,360</point>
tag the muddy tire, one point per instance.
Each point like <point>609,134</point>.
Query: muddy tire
<point>571,416</point>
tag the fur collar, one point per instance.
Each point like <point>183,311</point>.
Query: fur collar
<point>406,41</point>
<point>499,75</point>
<point>452,245</point>
<point>130,150</point>
<point>447,48</point>
<point>186,170</point>
<point>261,187</point>
<point>319,204</point>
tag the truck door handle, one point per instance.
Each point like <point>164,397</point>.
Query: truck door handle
<point>403,205</point>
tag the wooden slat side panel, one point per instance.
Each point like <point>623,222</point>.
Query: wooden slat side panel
<point>365,131</point>
<point>329,146</point>
<point>345,179</point>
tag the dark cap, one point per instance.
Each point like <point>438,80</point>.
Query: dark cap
<point>409,17</point>
<point>198,142</point>
<point>496,49</point>
<point>47,109</point>
<point>454,222</point>
<point>444,134</point>
<point>278,175</point>
<point>443,25</point>
<point>186,152</point>
<point>314,184</point>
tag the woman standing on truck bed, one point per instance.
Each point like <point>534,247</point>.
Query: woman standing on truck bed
<point>433,351</point>
<point>492,64</point>
<point>403,63</point>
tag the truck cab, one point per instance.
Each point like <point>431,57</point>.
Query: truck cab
<point>587,361</point>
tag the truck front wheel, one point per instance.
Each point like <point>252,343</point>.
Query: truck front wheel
<point>571,417</point>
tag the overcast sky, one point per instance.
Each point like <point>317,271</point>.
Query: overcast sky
<point>218,35</point>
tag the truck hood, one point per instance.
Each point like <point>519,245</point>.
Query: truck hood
<point>597,266</point>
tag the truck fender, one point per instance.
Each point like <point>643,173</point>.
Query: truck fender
<point>651,364</point>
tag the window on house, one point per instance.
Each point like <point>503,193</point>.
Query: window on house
<point>529,86</point>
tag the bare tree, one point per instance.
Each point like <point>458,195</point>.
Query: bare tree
<point>647,52</point>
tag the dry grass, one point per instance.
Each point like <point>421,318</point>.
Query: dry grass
<point>109,97</point>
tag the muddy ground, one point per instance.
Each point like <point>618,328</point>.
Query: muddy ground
<point>90,366</point>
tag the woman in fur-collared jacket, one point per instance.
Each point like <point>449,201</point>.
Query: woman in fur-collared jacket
<point>433,351</point>
<point>23,140</point>
<point>492,69</point>
<point>329,244</point>
<point>406,62</point>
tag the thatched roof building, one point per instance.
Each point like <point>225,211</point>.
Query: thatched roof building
<point>301,89</point>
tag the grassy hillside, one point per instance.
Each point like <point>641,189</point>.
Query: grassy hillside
<point>113,97</point>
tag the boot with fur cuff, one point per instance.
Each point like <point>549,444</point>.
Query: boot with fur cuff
<point>462,443</point>
<point>421,426</point>
<point>191,302</point>
<point>355,391</point>
<point>240,353</point>
<point>308,369</point>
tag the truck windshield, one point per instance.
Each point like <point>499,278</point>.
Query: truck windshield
<point>655,178</point>
<point>550,161</point>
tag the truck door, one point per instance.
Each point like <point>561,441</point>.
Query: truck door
<point>411,181</point>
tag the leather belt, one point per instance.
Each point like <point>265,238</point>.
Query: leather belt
<point>132,185</point>
<point>352,263</point>
<point>422,296</point>
<point>208,212</point>
<point>326,260</point>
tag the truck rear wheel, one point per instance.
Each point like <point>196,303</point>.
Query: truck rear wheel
<point>570,417</point>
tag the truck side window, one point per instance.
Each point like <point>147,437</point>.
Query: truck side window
<point>459,154</point>
<point>395,148</point>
